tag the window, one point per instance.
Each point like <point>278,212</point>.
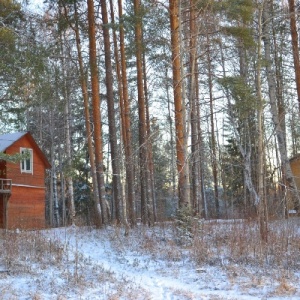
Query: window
<point>26,164</point>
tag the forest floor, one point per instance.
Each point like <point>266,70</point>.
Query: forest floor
<point>212,260</point>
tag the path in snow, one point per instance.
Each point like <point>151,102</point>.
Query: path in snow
<point>151,277</point>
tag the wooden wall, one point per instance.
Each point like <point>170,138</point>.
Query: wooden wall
<point>26,208</point>
<point>26,205</point>
<point>13,170</point>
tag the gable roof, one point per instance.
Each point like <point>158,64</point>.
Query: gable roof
<point>6,140</point>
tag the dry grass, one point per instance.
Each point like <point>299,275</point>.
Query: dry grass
<point>28,254</point>
<point>239,242</point>
<point>285,288</point>
<point>232,246</point>
<point>225,244</point>
<point>22,249</point>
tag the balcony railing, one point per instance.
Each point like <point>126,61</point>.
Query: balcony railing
<point>5,186</point>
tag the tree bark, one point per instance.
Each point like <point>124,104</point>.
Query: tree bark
<point>84,90</point>
<point>69,179</point>
<point>151,201</point>
<point>96,110</point>
<point>295,46</point>
<point>115,151</point>
<point>171,126</point>
<point>280,101</point>
<point>62,189</point>
<point>127,139</point>
<point>122,117</point>
<point>195,118</point>
<point>213,136</point>
<point>182,167</point>
<point>143,157</point>
<point>262,206</point>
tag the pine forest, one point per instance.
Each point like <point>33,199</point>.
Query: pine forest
<point>161,155</point>
<point>150,110</point>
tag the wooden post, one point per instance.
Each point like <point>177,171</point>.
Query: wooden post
<point>5,216</point>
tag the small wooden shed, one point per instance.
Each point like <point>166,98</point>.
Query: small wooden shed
<point>22,184</point>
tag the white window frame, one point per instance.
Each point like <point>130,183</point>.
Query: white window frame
<point>24,163</point>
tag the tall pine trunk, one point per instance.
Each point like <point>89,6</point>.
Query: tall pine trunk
<point>115,151</point>
<point>213,135</point>
<point>143,156</point>
<point>121,117</point>
<point>99,163</point>
<point>127,139</point>
<point>262,206</point>
<point>295,46</point>
<point>68,152</point>
<point>182,164</point>
<point>87,119</point>
<point>195,118</point>
<point>151,203</point>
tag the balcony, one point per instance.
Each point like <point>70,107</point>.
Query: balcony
<point>5,186</point>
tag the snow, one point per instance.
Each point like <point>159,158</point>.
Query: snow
<point>88,263</point>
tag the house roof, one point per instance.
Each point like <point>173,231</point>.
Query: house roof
<point>6,140</point>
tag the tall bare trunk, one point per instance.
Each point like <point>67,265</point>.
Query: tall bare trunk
<point>213,135</point>
<point>280,101</point>
<point>52,157</point>
<point>127,126</point>
<point>202,204</point>
<point>182,167</point>
<point>295,46</point>
<point>96,110</point>
<point>262,206</point>
<point>115,151</point>
<point>195,118</point>
<point>55,194</point>
<point>143,157</point>
<point>170,119</point>
<point>69,179</point>
<point>53,211</point>
<point>62,189</point>
<point>151,201</point>
<point>84,90</point>
<point>122,111</point>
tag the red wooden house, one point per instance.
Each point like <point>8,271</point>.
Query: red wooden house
<point>22,184</point>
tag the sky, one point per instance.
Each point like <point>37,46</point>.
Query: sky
<point>35,5</point>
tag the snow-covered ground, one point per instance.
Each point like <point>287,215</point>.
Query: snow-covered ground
<point>150,263</point>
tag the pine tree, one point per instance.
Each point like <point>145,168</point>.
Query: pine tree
<point>182,164</point>
<point>96,110</point>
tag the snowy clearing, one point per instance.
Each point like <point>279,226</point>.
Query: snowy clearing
<point>221,262</point>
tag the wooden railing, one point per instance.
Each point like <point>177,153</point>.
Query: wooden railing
<point>5,186</point>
